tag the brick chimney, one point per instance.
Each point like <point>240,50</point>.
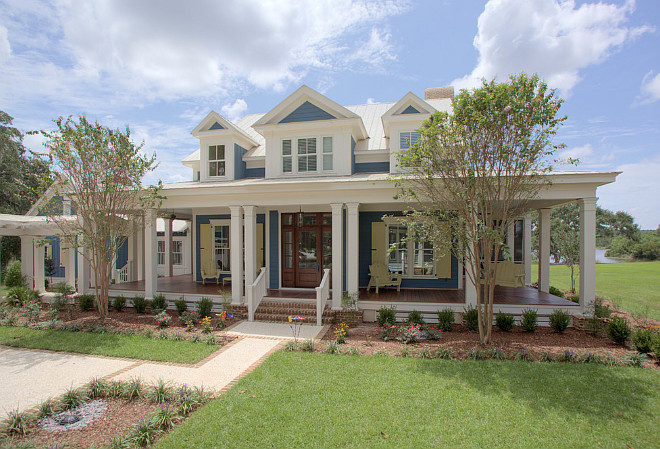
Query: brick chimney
<point>436,93</point>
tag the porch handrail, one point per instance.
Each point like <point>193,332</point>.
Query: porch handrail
<point>255,293</point>
<point>322,295</point>
<point>124,273</point>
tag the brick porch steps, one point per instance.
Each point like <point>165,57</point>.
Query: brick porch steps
<point>281,310</point>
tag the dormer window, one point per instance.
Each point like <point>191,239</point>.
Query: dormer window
<point>408,139</point>
<point>216,160</point>
<point>301,155</point>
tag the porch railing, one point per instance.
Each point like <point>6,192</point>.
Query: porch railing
<point>322,295</point>
<point>255,293</point>
<point>124,273</point>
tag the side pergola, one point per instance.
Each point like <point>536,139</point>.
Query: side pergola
<point>31,229</point>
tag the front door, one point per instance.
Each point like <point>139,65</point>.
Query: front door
<point>306,248</point>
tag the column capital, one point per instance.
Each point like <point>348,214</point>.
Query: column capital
<point>589,203</point>
<point>336,207</point>
<point>249,210</point>
<point>235,210</point>
<point>352,207</point>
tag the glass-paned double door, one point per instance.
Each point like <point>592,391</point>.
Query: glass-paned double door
<point>306,248</point>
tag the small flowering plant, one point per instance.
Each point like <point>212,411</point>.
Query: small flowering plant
<point>222,317</point>
<point>341,332</point>
<point>410,333</point>
<point>190,326</point>
<point>388,331</point>
<point>188,317</point>
<point>207,327</point>
<point>295,323</point>
<point>163,319</point>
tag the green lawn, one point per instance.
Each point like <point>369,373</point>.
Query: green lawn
<point>633,286</point>
<point>303,400</point>
<point>131,346</point>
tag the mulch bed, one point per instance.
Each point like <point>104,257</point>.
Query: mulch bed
<point>119,417</point>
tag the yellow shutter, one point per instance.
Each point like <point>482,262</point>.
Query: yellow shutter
<point>443,259</point>
<point>206,248</point>
<point>63,254</point>
<point>260,245</point>
<point>378,246</point>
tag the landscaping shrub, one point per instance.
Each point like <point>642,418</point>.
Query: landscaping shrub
<point>204,307</point>
<point>13,277</point>
<point>190,317</point>
<point>415,317</point>
<point>559,320</point>
<point>432,333</point>
<point>163,319</point>
<point>601,311</point>
<point>140,304</point>
<point>387,331</point>
<point>617,330</point>
<point>181,306</point>
<point>86,302</point>
<point>118,303</point>
<point>504,321</point>
<point>655,347</point>
<point>555,291</point>
<point>471,318</point>
<point>446,320</point>
<point>643,339</point>
<point>18,296</point>
<point>410,333</point>
<point>528,320</point>
<point>158,304</point>
<point>386,315</point>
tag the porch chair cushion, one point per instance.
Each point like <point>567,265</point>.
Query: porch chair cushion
<point>380,276</point>
<point>509,274</point>
<point>210,274</point>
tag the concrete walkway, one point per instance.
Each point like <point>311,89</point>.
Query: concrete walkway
<point>274,330</point>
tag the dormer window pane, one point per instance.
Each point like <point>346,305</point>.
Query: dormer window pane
<point>307,154</point>
<point>408,139</point>
<point>216,160</point>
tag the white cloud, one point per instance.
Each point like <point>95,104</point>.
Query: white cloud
<point>5,48</point>
<point>635,191</point>
<point>650,88</point>
<point>234,112</point>
<point>371,100</point>
<point>580,152</point>
<point>553,38</point>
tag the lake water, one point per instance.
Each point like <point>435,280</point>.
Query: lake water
<point>600,257</point>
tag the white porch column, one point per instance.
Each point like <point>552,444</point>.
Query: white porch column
<point>168,246</point>
<point>139,259</point>
<point>70,262</point>
<point>352,250</point>
<point>544,250</point>
<point>250,244</point>
<point>150,266</point>
<point>83,267</point>
<point>470,288</point>
<point>511,239</point>
<point>236,254</point>
<point>39,275</point>
<point>527,247</point>
<point>337,249</point>
<point>27,259</point>
<point>587,255</point>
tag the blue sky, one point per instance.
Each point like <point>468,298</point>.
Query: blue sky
<point>161,65</point>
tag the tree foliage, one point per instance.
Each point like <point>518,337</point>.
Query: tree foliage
<point>100,171</point>
<point>473,172</point>
<point>21,173</point>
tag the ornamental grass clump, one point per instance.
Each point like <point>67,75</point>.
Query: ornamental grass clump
<point>415,317</point>
<point>559,320</point>
<point>158,304</point>
<point>119,303</point>
<point>204,307</point>
<point>140,304</point>
<point>181,306</point>
<point>471,318</point>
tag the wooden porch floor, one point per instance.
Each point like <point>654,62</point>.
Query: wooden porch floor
<point>503,295</point>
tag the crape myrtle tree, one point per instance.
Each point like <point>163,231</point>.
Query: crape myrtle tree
<point>100,171</point>
<point>474,171</point>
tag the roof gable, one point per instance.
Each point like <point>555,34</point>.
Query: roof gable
<point>307,112</point>
<point>408,108</point>
<point>215,124</point>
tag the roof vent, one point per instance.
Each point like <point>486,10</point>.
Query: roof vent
<point>436,93</point>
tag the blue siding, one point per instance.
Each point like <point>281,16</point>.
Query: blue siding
<point>366,218</point>
<point>372,167</point>
<point>216,125</point>
<point>206,219</point>
<point>255,172</point>
<point>352,155</point>
<point>59,270</point>
<point>410,110</point>
<point>307,112</point>
<point>274,256</point>
<point>239,165</point>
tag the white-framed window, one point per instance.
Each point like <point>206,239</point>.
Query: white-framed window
<point>307,154</point>
<point>177,252</point>
<point>216,160</point>
<point>411,258</point>
<point>408,139</point>
<point>161,252</point>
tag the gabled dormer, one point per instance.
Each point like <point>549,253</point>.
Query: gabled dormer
<point>400,124</point>
<point>221,148</point>
<point>308,134</point>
